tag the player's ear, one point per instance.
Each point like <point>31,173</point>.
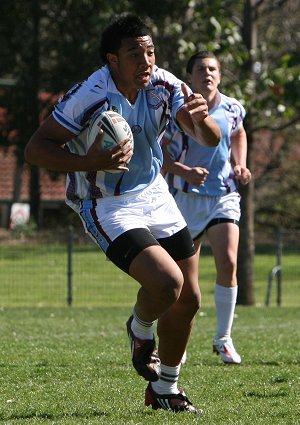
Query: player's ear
<point>188,78</point>
<point>111,58</point>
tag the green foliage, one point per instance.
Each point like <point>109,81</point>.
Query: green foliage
<point>49,46</point>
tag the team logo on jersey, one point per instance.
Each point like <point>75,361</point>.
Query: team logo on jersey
<point>153,100</point>
<point>136,129</point>
<point>234,115</point>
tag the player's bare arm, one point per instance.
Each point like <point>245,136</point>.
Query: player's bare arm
<point>242,174</point>
<point>193,175</point>
<point>194,119</point>
<point>45,149</point>
<point>239,155</point>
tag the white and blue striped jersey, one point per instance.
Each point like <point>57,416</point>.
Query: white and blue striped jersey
<point>154,107</point>
<point>229,115</point>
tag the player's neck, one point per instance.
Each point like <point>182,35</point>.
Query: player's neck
<point>128,90</point>
<point>131,95</point>
<point>213,99</point>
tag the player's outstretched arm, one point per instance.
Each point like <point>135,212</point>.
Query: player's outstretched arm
<point>194,119</point>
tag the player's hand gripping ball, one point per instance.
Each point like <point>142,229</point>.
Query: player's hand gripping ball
<point>115,129</point>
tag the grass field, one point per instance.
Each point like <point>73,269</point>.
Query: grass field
<point>72,366</point>
<point>37,275</point>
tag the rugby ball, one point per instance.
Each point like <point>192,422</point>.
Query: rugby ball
<point>115,129</point>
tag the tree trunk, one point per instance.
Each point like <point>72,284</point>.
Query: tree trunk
<point>17,182</point>
<point>33,116</point>
<point>246,244</point>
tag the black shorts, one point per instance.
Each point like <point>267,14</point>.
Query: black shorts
<point>217,221</point>
<point>128,245</point>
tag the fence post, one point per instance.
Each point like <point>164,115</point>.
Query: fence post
<point>276,271</point>
<point>279,264</point>
<point>70,265</point>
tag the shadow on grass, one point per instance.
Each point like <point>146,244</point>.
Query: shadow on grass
<point>51,416</point>
<point>266,394</point>
<point>75,415</point>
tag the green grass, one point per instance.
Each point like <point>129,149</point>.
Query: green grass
<point>72,366</point>
<point>37,275</point>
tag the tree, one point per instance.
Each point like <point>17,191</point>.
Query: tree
<point>19,62</point>
<point>48,46</point>
<point>257,42</point>
<point>255,11</point>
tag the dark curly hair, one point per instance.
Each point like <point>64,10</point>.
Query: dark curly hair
<point>122,26</point>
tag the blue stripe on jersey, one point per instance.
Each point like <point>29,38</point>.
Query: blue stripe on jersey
<point>92,226</point>
<point>70,126</point>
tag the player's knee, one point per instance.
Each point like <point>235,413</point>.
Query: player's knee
<point>193,303</point>
<point>171,286</point>
<point>188,306</point>
<point>196,302</point>
<point>228,266</point>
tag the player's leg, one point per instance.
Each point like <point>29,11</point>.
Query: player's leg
<point>161,281</point>
<point>158,274</point>
<point>191,210</point>
<point>174,334</point>
<point>174,330</point>
<point>121,231</point>
<point>138,253</point>
<point>224,238</point>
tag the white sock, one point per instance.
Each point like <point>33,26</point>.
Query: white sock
<point>225,301</point>
<point>141,329</point>
<point>167,384</point>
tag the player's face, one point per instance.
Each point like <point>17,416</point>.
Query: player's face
<point>205,76</point>
<point>132,67</point>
